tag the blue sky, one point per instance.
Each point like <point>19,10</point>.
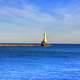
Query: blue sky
<point>27,20</point>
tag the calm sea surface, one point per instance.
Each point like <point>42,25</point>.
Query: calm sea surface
<point>57,62</point>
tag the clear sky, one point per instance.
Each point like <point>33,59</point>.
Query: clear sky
<point>27,20</point>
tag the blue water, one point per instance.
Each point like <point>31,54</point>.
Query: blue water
<point>57,62</point>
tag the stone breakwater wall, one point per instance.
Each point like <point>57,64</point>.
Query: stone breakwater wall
<point>10,44</point>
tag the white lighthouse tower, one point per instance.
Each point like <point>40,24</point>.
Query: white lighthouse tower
<point>44,41</point>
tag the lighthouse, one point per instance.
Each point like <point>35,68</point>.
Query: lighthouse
<point>44,41</point>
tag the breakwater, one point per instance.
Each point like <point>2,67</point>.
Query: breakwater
<point>20,44</point>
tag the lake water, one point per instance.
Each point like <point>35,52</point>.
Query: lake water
<point>57,62</point>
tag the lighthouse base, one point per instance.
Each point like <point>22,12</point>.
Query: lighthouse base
<point>44,44</point>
